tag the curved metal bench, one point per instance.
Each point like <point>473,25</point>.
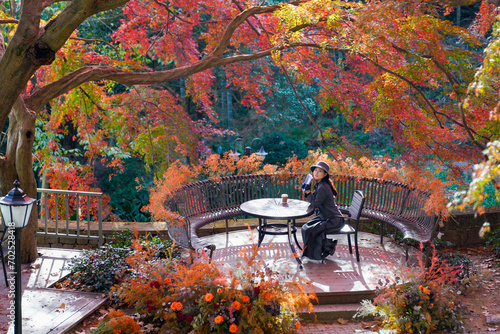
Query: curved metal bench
<point>203,202</point>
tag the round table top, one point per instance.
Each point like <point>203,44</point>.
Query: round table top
<point>274,208</point>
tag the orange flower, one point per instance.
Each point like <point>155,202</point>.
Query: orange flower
<point>270,325</point>
<point>236,305</point>
<point>268,295</point>
<point>245,299</point>
<point>167,280</point>
<point>219,319</point>
<point>425,290</point>
<point>209,297</point>
<point>297,325</point>
<point>176,306</point>
<point>219,290</point>
<point>233,328</point>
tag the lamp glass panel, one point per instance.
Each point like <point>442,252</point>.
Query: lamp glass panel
<point>6,218</point>
<point>20,214</point>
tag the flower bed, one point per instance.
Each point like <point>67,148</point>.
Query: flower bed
<point>203,298</point>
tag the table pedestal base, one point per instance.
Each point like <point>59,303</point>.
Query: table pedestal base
<point>279,229</point>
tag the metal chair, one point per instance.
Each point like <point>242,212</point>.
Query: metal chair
<point>2,254</point>
<point>352,221</point>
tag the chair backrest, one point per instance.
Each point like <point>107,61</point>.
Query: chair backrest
<point>357,203</point>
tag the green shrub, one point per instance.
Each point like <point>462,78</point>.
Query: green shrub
<point>121,239</point>
<point>462,262</point>
<point>101,268</point>
<point>281,147</point>
<point>97,270</point>
<point>128,190</point>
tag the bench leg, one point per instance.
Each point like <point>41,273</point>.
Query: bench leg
<point>382,227</point>
<point>295,235</point>
<point>356,245</point>
<point>294,253</point>
<point>406,249</point>
<point>211,249</point>
<point>261,231</point>
<point>227,226</point>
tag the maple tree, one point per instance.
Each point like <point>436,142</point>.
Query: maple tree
<point>380,61</point>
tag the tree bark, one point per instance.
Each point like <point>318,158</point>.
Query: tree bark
<point>17,165</point>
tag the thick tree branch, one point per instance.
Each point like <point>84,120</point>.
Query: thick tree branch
<point>92,73</point>
<point>42,95</point>
<point>240,7</point>
<point>6,21</point>
<point>32,46</point>
<point>241,18</point>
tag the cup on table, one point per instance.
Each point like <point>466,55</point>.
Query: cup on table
<point>284,198</point>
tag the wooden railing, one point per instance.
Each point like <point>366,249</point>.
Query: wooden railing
<point>66,213</point>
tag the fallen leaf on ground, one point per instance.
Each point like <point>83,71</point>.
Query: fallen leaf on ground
<point>342,321</point>
<point>366,325</point>
<point>61,308</point>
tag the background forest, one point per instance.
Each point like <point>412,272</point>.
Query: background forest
<point>393,81</point>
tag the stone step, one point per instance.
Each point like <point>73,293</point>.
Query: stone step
<point>344,297</point>
<point>331,312</point>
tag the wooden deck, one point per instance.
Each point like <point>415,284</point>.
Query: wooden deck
<point>48,310</point>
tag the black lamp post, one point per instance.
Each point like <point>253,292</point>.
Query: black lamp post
<point>16,209</point>
<point>235,153</point>
<point>248,150</point>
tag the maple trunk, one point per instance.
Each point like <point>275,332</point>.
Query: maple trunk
<point>17,164</point>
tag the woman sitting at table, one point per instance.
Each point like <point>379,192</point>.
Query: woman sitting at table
<point>322,197</point>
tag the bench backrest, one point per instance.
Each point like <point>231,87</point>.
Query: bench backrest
<point>229,192</point>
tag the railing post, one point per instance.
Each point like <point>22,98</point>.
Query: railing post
<point>100,242</point>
